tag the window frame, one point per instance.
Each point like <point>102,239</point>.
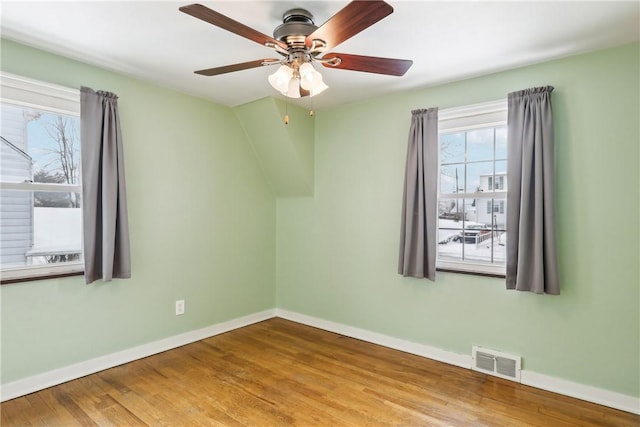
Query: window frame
<point>43,96</point>
<point>466,118</point>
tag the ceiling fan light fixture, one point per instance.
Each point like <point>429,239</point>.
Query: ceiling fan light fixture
<point>308,76</point>
<point>311,80</point>
<point>294,88</point>
<point>296,82</point>
<point>318,88</point>
<point>317,85</point>
<point>280,80</point>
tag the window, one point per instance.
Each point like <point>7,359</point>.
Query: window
<point>499,180</point>
<point>472,191</point>
<point>40,188</point>
<point>498,207</point>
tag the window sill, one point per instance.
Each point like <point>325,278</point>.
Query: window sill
<point>472,273</point>
<point>17,275</point>
<point>485,270</point>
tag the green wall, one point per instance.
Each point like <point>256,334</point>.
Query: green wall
<point>202,222</point>
<point>204,219</point>
<point>284,150</point>
<point>337,252</point>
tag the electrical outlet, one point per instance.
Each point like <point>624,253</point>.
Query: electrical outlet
<point>179,307</point>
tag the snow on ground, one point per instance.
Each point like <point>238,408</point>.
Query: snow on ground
<point>455,250</point>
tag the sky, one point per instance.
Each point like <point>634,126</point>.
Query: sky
<point>40,142</point>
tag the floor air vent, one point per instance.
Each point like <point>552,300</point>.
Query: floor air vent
<point>496,363</point>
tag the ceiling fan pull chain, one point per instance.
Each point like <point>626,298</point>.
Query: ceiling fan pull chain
<point>286,113</point>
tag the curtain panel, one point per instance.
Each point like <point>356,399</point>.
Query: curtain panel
<point>104,200</point>
<point>531,247</point>
<point>420,198</point>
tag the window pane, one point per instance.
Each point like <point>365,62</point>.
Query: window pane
<point>54,145</point>
<point>455,209</point>
<point>39,146</point>
<point>492,213</point>
<point>450,250</point>
<point>449,230</point>
<point>452,148</point>
<point>478,175</point>
<point>468,239</point>
<point>452,179</point>
<point>480,145</point>
<point>32,234</point>
<point>483,245</point>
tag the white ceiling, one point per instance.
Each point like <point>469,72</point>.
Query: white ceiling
<point>447,41</point>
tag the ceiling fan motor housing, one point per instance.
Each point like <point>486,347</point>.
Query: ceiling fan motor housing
<point>297,25</point>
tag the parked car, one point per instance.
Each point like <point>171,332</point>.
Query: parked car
<point>471,232</point>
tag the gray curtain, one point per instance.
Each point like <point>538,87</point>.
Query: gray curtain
<point>104,200</point>
<point>531,250</point>
<point>420,198</point>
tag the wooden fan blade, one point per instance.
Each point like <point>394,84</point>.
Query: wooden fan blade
<point>369,64</point>
<point>349,21</point>
<point>234,67</point>
<point>219,20</point>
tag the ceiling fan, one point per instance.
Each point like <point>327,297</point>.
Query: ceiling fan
<point>300,43</point>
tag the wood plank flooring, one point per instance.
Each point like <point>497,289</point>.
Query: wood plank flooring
<point>280,373</point>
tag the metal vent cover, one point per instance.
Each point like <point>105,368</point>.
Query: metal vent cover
<point>496,363</point>
<point>506,366</point>
<point>485,361</point>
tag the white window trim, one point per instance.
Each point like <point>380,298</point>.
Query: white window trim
<point>485,114</point>
<point>459,119</point>
<point>37,94</point>
<point>37,186</point>
<point>44,96</point>
<point>471,267</point>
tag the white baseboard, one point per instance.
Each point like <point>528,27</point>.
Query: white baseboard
<point>58,376</point>
<point>591,394</point>
<point>545,382</point>
<point>462,360</point>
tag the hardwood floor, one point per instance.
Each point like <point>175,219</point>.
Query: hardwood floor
<point>280,373</point>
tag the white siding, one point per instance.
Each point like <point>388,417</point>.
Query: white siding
<point>481,205</point>
<point>14,126</point>
<point>16,207</point>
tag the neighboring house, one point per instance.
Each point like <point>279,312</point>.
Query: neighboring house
<point>16,207</point>
<point>485,211</point>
